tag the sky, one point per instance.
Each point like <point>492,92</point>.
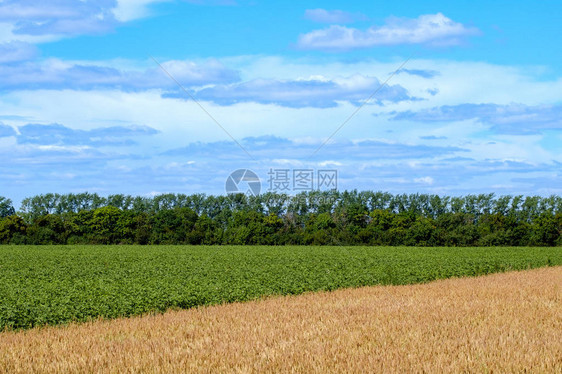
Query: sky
<point>154,96</point>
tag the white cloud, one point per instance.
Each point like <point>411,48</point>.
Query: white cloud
<point>39,21</point>
<point>320,93</point>
<point>60,74</point>
<point>35,10</point>
<point>7,34</point>
<point>433,29</point>
<point>424,180</point>
<point>508,119</point>
<point>16,51</point>
<point>128,10</point>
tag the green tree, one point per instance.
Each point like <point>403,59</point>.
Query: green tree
<point>12,230</point>
<point>48,229</point>
<point>6,208</point>
<point>546,229</point>
<point>173,226</point>
<point>104,225</point>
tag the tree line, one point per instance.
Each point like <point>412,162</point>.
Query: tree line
<point>309,218</point>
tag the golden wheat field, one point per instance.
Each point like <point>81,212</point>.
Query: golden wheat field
<point>509,322</point>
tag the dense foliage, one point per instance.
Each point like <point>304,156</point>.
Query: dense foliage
<point>56,284</point>
<point>6,208</point>
<point>318,218</point>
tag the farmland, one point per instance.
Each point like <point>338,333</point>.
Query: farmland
<point>510,322</point>
<point>53,285</point>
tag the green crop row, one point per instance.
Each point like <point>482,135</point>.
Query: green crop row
<point>58,284</point>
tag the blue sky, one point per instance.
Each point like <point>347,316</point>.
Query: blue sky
<point>84,107</point>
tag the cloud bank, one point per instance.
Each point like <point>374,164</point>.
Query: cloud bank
<point>429,29</point>
<point>304,93</point>
<point>59,135</point>
<point>517,119</point>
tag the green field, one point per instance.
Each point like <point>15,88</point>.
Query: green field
<point>56,284</point>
